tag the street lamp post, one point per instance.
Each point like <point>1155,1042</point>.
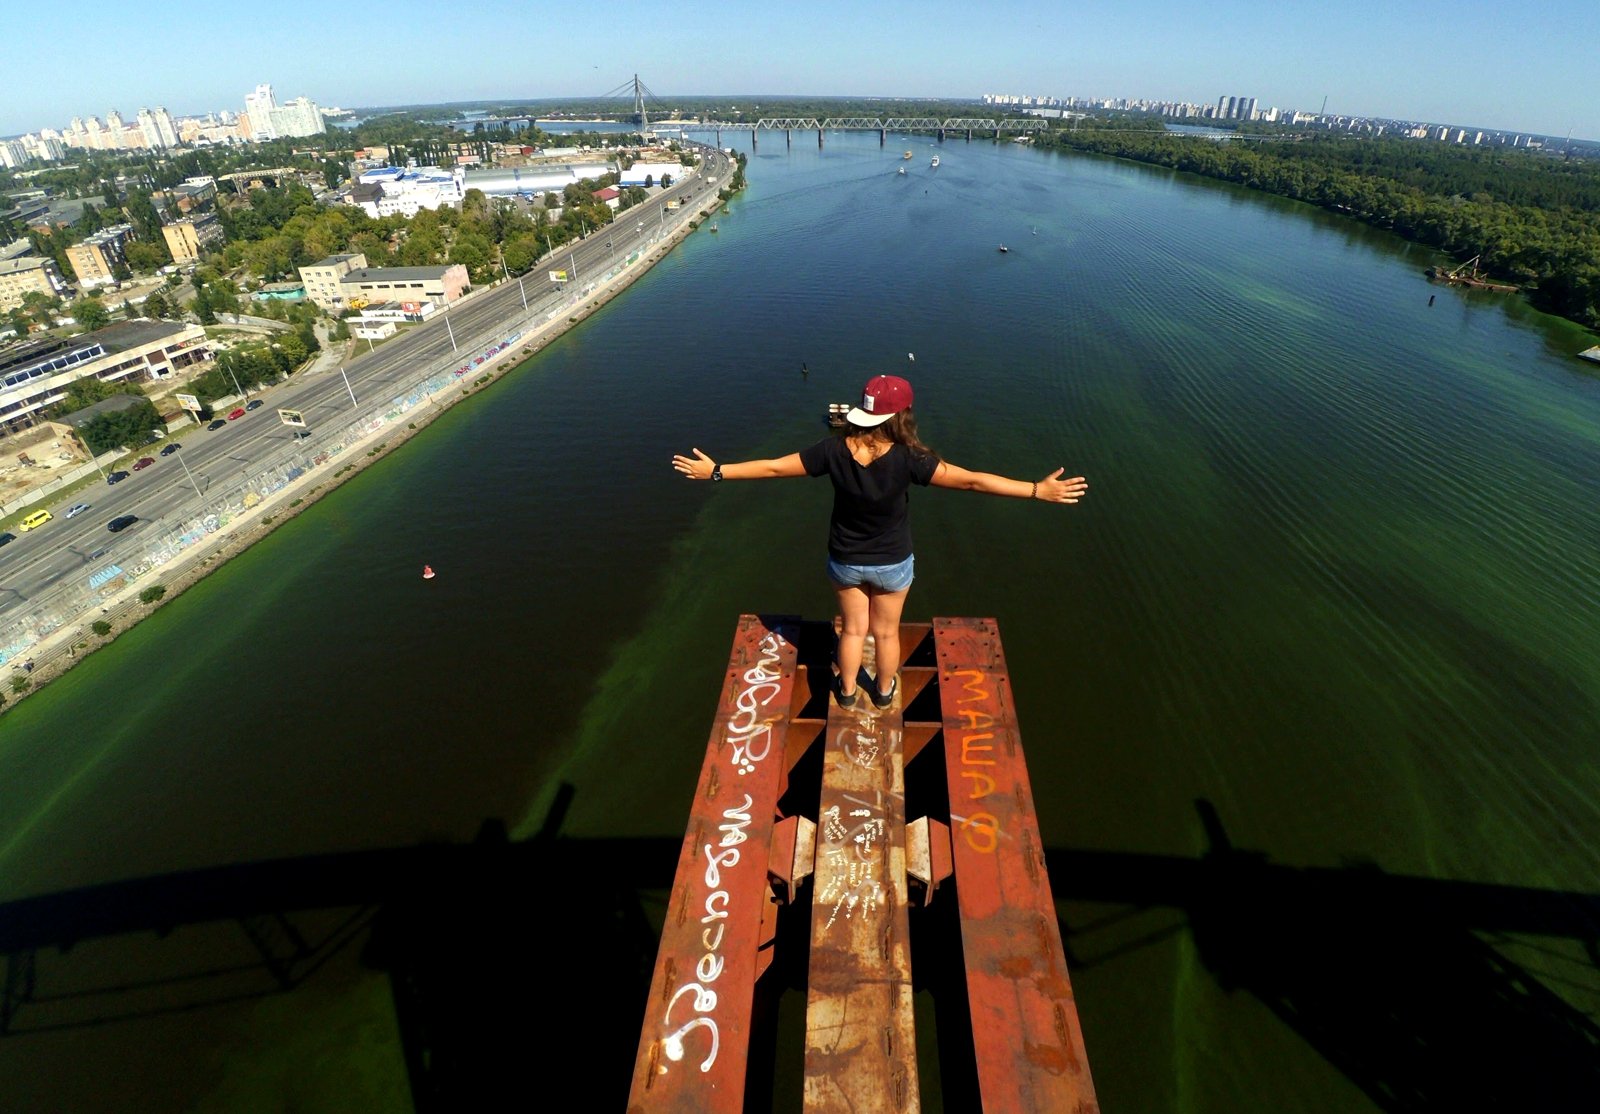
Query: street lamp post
<point>93,459</point>
<point>235,378</point>
<point>186,472</point>
<point>347,386</point>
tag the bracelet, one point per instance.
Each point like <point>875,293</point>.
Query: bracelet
<point>1035,493</point>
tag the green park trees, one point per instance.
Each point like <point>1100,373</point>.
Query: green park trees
<point>90,312</point>
<point>1533,220</point>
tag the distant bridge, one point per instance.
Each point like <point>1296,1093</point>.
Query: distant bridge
<point>961,125</point>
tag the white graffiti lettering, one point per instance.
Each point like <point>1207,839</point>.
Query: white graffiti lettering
<point>673,1043</point>
<point>710,966</point>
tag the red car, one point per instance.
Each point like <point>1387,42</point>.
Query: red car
<point>236,415</point>
<point>144,462</point>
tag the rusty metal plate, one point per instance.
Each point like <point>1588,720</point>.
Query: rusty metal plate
<point>860,1030</point>
<point>694,1044</point>
<point>1028,1041</point>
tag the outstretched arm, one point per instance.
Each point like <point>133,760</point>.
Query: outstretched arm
<point>699,467</point>
<point>1052,489</point>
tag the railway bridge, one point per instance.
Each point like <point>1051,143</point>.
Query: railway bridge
<point>993,127</point>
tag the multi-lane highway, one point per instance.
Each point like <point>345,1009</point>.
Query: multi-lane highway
<point>174,489</point>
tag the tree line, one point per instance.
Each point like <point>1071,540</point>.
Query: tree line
<point>1532,219</point>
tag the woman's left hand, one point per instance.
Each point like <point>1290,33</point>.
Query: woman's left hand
<point>697,467</point>
<point>1054,489</point>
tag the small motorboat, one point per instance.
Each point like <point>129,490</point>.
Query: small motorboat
<point>1004,249</point>
<point>427,572</point>
<point>713,227</point>
<point>935,161</point>
<point>907,155</point>
<point>902,170</point>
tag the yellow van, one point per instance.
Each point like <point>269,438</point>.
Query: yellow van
<point>37,518</point>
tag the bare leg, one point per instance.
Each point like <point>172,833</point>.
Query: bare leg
<point>884,622</point>
<point>854,608</point>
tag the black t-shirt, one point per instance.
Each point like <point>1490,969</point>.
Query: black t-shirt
<point>871,523</point>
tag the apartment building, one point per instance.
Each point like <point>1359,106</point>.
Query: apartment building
<point>186,239</point>
<point>96,260</point>
<point>322,280</point>
<point>24,275</point>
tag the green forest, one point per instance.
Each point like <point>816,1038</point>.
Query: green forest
<point>1534,219</point>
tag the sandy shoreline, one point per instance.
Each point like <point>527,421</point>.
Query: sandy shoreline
<point>66,647</point>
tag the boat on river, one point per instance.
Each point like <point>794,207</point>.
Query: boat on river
<point>902,170</point>
<point>907,155</point>
<point>935,161</point>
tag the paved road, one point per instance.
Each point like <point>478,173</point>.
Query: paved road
<point>173,489</point>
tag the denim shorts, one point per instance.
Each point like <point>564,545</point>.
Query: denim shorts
<point>885,578</point>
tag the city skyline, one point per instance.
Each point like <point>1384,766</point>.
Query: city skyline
<point>1432,62</point>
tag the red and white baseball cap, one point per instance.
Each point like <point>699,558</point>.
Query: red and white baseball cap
<point>882,398</point>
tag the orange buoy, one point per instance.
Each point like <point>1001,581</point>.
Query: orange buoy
<point>427,572</point>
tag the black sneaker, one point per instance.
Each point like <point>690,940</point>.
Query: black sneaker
<point>839,694</point>
<point>883,700</point>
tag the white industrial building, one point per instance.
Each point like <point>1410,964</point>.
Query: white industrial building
<point>641,173</point>
<point>530,181</point>
<point>390,190</point>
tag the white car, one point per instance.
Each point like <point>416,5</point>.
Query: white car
<point>76,509</point>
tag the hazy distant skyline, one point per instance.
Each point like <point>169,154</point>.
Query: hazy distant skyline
<point>1474,63</point>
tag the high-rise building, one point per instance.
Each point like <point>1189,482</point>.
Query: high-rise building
<point>258,108</point>
<point>166,130</point>
<point>158,129</point>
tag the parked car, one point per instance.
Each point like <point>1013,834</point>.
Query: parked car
<point>121,523</point>
<point>168,450</point>
<point>116,477</point>
<point>236,414</point>
<point>143,463</point>
<point>76,509</point>
<point>217,423</point>
<point>254,404</point>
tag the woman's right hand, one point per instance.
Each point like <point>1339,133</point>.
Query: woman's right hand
<point>1054,489</point>
<point>697,467</point>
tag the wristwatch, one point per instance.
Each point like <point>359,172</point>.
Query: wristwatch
<point>716,474</point>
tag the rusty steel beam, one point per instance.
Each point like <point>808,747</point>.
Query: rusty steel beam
<point>860,1030</point>
<point>694,1044</point>
<point>1028,1042</point>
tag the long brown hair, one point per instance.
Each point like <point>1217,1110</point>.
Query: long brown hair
<point>900,430</point>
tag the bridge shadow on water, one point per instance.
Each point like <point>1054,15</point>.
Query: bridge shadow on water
<point>522,967</point>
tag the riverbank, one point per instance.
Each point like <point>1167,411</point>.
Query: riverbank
<point>70,644</point>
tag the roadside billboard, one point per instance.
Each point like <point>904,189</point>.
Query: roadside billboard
<point>558,276</point>
<point>291,417</point>
<point>189,402</point>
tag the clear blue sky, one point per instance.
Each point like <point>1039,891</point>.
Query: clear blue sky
<point>1498,65</point>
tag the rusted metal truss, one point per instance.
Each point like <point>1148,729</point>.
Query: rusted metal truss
<point>858,850</point>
